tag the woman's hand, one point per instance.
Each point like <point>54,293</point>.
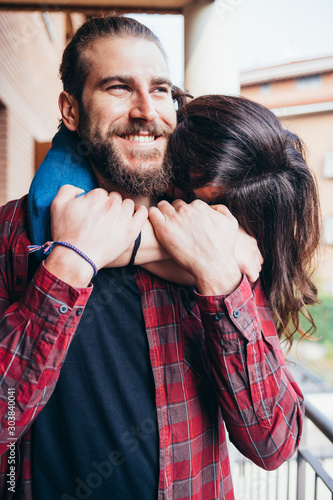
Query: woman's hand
<point>200,240</point>
<point>248,256</point>
<point>247,253</point>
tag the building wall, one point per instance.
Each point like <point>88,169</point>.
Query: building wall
<point>3,150</point>
<point>316,132</point>
<point>20,156</point>
<point>283,93</point>
<point>29,89</point>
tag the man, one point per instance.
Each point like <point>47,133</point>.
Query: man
<point>134,397</point>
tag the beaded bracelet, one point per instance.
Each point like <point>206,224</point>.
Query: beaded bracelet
<point>47,247</point>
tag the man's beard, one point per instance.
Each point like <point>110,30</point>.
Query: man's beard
<point>150,179</point>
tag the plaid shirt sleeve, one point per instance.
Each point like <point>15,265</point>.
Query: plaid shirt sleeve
<point>35,333</point>
<point>261,404</point>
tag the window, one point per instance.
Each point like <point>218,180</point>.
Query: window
<point>309,82</point>
<point>328,231</point>
<point>265,88</point>
<point>328,165</point>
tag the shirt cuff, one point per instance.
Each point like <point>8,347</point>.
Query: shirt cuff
<point>230,313</point>
<point>51,301</point>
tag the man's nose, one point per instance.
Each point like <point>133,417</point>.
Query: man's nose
<point>143,107</point>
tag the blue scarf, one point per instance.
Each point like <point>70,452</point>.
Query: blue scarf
<point>65,163</point>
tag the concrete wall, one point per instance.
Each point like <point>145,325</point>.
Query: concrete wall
<point>210,49</point>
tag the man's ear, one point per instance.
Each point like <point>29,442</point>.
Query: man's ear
<point>69,108</point>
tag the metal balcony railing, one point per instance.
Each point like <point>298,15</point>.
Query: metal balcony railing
<point>307,476</point>
<point>308,456</point>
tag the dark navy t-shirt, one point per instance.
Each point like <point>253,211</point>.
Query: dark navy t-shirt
<point>97,436</point>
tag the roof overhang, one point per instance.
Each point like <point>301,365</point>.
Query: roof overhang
<point>286,71</point>
<point>304,109</point>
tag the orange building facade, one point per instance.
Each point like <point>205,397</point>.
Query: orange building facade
<point>301,95</point>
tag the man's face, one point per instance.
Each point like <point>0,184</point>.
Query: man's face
<point>127,114</point>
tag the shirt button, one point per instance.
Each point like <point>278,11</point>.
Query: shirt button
<point>218,316</point>
<point>79,311</point>
<point>63,309</point>
<point>18,280</point>
<point>236,313</point>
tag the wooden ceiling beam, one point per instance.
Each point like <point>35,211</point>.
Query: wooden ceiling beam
<point>169,7</point>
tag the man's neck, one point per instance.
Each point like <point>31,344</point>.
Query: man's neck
<point>138,200</point>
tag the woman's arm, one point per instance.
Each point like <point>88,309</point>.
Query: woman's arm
<point>153,257</point>
<point>150,250</point>
<point>169,270</point>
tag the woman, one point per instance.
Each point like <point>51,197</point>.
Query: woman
<point>233,151</point>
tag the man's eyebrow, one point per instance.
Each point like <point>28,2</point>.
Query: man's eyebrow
<point>129,80</point>
<point>126,80</point>
<point>161,81</point>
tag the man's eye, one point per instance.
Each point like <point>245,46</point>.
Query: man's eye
<point>162,90</point>
<point>119,88</point>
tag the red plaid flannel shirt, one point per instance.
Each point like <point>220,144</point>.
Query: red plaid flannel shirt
<point>216,360</point>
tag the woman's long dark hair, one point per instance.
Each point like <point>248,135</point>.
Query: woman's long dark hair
<point>265,182</point>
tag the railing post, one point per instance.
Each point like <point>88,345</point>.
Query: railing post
<point>301,465</point>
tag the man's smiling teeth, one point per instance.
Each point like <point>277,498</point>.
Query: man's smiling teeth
<point>139,138</point>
